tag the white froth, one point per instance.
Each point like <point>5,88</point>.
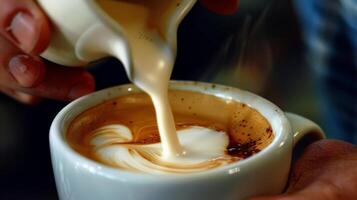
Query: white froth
<point>201,144</point>
<point>106,134</point>
<point>204,149</point>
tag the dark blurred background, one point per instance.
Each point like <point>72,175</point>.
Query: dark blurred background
<point>259,49</point>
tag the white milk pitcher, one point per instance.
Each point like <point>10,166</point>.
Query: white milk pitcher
<point>87,30</point>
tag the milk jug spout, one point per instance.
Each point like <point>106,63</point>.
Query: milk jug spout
<point>87,30</point>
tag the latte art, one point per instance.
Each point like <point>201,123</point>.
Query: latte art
<point>204,149</point>
<point>155,135</point>
<point>123,133</point>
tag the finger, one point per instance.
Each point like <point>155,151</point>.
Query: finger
<point>18,69</point>
<point>21,97</point>
<point>31,75</point>
<point>27,71</point>
<point>298,196</point>
<point>317,191</point>
<point>316,160</point>
<point>63,83</point>
<point>223,7</point>
<point>326,170</point>
<point>24,23</point>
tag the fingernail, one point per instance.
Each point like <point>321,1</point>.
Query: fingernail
<point>24,74</point>
<point>80,90</point>
<point>24,29</point>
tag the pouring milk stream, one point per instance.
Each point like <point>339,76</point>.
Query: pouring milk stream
<point>142,35</point>
<point>152,58</point>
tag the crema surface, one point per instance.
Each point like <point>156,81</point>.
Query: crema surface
<point>213,132</point>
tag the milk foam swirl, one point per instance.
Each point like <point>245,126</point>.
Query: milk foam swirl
<point>204,149</point>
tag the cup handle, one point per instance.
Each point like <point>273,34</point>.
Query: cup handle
<point>302,128</point>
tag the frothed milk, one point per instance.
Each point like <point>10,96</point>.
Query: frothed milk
<point>197,145</point>
<point>123,133</point>
<point>153,57</point>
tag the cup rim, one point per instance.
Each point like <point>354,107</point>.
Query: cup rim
<point>281,130</point>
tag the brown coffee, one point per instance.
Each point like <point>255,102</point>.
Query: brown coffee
<point>248,131</point>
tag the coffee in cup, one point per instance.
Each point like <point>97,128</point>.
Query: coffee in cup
<point>79,175</point>
<point>213,132</point>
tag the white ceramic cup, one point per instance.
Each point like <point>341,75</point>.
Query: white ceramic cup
<point>78,177</point>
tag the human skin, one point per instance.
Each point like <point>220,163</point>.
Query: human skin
<point>25,32</point>
<point>327,170</point>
